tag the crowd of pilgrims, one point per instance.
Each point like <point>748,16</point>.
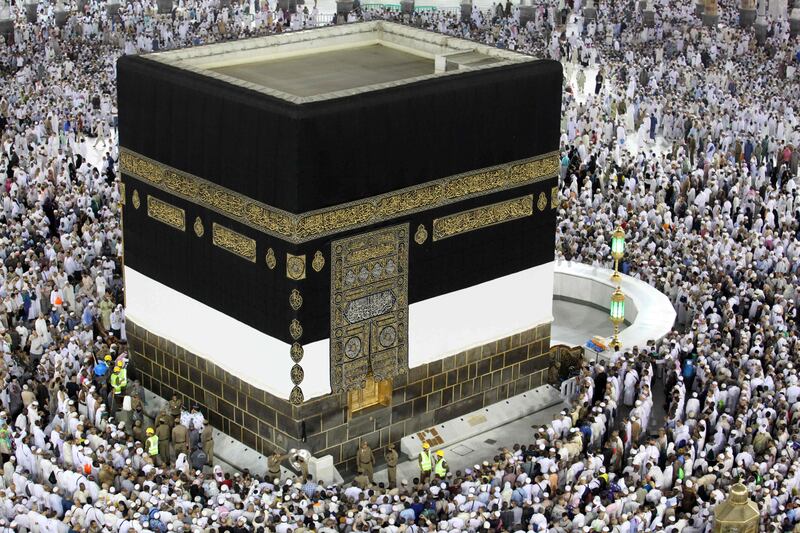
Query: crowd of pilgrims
<point>686,137</point>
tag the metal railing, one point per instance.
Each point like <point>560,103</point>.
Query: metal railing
<point>396,7</point>
<point>390,7</point>
<point>569,390</point>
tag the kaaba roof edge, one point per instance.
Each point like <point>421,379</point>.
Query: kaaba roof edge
<point>207,60</point>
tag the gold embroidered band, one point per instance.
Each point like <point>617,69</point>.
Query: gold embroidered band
<point>482,217</point>
<point>315,224</point>
<point>233,242</point>
<point>166,213</point>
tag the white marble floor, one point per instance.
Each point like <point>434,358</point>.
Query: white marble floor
<point>574,323</point>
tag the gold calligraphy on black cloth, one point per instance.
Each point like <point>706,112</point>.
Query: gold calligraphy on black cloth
<point>166,213</point>
<point>369,307</point>
<point>482,217</point>
<point>234,242</point>
<point>298,228</point>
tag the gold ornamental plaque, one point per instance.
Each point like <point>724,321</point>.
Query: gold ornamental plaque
<point>369,307</point>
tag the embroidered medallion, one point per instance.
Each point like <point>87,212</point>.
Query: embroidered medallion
<point>295,299</point>
<point>295,329</point>
<point>295,267</point>
<point>296,351</point>
<point>199,230</point>
<point>296,396</point>
<point>542,202</point>
<point>319,261</point>
<point>421,235</point>
<point>297,374</point>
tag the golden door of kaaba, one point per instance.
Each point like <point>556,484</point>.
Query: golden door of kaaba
<point>369,307</point>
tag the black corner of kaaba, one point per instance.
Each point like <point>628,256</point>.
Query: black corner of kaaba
<point>237,198</point>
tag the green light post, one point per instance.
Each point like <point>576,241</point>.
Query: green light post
<point>617,251</point>
<point>617,315</point>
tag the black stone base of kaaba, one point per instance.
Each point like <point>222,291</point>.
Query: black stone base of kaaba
<point>427,395</point>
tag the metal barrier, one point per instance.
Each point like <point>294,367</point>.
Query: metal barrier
<point>569,389</point>
<point>391,7</point>
<point>396,7</point>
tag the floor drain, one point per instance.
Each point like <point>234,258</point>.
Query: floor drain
<point>462,450</point>
<point>490,441</point>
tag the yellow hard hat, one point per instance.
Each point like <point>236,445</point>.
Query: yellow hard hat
<point>117,368</point>
<point>425,445</point>
<point>107,358</point>
<point>440,453</point>
<point>150,431</point>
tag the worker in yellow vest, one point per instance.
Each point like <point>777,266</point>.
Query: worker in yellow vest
<point>115,382</point>
<point>152,444</point>
<point>441,465</point>
<point>123,376</point>
<point>425,462</point>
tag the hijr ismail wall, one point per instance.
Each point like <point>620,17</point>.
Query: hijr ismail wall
<point>277,254</point>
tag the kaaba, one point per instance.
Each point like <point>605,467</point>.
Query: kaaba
<point>339,234</point>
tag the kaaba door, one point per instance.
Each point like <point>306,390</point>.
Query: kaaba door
<point>369,308</point>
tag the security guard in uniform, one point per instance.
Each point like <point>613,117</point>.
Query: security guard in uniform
<point>207,439</point>
<point>441,465</point>
<point>361,480</point>
<point>425,462</point>
<point>366,460</point>
<point>390,455</point>
<point>180,439</point>
<point>274,465</point>
<point>175,407</point>
<point>151,444</point>
<point>163,432</point>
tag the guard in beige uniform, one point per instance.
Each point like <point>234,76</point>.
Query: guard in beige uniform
<point>361,480</point>
<point>207,440</point>
<point>390,454</point>
<point>274,465</point>
<point>175,408</point>
<point>180,439</point>
<point>163,434</point>
<point>365,461</point>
